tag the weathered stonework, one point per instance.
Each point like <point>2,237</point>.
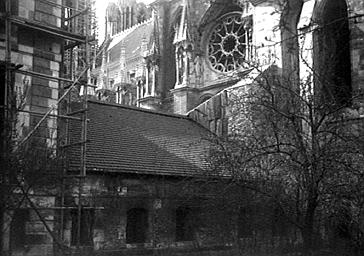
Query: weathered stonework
<point>39,50</point>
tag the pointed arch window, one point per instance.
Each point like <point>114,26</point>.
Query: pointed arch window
<point>332,53</point>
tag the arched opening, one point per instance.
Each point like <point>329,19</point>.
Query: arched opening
<point>180,65</point>
<point>85,235</point>
<point>204,98</point>
<point>333,53</point>
<point>184,228</point>
<point>137,225</point>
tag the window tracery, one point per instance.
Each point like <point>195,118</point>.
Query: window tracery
<point>229,43</point>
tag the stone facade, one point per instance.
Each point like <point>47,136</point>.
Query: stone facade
<point>308,32</point>
<point>38,34</point>
<point>188,58</point>
<point>189,72</point>
<point>115,202</point>
<point>36,51</point>
<point>185,75</point>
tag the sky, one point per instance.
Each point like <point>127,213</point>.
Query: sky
<point>100,14</point>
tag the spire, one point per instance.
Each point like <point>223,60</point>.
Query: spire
<point>155,38</point>
<point>182,26</point>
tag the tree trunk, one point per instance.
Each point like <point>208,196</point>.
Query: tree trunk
<point>1,223</point>
<point>308,233</point>
<point>290,47</point>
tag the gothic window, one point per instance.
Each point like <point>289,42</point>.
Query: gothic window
<point>118,95</point>
<point>333,46</point>
<point>150,78</point>
<point>184,227</point>
<point>86,227</point>
<point>180,65</point>
<point>229,43</point>
<point>137,225</point>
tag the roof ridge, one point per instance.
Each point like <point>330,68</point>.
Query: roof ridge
<point>132,28</point>
<point>238,83</point>
<point>140,24</point>
<point>140,109</point>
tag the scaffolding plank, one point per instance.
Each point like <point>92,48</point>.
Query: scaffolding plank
<point>48,29</point>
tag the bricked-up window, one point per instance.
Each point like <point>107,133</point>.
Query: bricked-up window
<point>86,227</point>
<point>245,222</point>
<point>18,228</point>
<point>334,53</point>
<point>136,225</point>
<point>184,226</point>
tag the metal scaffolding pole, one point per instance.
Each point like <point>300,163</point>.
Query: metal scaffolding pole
<point>68,36</point>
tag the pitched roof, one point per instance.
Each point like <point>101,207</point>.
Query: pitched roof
<point>131,39</point>
<point>132,140</point>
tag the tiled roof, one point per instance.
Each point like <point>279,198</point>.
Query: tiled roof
<point>132,39</point>
<point>133,140</point>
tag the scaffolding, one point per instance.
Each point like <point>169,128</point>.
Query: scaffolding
<point>77,22</point>
<point>69,111</point>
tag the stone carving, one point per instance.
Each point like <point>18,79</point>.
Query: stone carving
<point>229,43</point>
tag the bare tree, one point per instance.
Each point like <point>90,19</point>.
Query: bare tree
<point>302,152</point>
<point>33,168</point>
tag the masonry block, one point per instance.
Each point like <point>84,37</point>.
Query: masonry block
<point>27,4</point>
<point>42,70</point>
<point>55,73</point>
<point>56,48</point>
<point>53,84</point>
<point>54,94</point>
<point>44,7</point>
<point>40,62</point>
<point>46,18</point>
<point>23,12</point>
<point>42,91</point>
<point>54,66</point>
<point>27,60</point>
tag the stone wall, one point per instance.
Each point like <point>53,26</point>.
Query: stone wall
<point>209,113</point>
<point>36,51</point>
<point>112,196</point>
<point>308,28</point>
<point>202,78</point>
<point>214,219</point>
<point>39,52</point>
<point>356,8</point>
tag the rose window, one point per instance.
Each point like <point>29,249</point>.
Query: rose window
<point>229,45</point>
